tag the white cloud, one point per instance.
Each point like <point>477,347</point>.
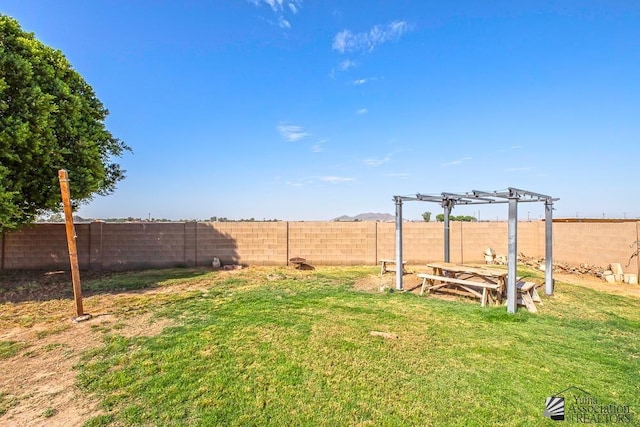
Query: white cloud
<point>346,41</point>
<point>373,162</point>
<point>312,180</point>
<point>280,8</point>
<point>341,41</point>
<point>335,179</point>
<point>362,111</point>
<point>397,175</point>
<point>346,64</point>
<point>292,133</point>
<point>283,23</point>
<point>275,4</point>
<point>456,162</point>
<point>299,184</point>
<point>343,66</point>
<point>359,82</point>
<point>317,147</point>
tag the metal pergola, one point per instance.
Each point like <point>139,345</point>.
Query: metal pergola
<point>512,196</point>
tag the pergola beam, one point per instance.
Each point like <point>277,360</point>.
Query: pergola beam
<point>467,199</point>
<point>541,197</point>
<point>425,198</point>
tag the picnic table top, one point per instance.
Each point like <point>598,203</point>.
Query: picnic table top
<point>459,268</point>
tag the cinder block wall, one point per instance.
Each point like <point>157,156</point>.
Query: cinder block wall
<point>471,240</point>
<point>421,241</point>
<point>115,246</point>
<point>136,245</point>
<point>596,243</point>
<point>43,246</point>
<point>424,242</point>
<point>333,243</point>
<point>257,243</point>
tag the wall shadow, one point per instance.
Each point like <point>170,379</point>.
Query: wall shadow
<point>119,246</point>
<point>36,260</point>
<point>17,286</point>
<point>212,243</point>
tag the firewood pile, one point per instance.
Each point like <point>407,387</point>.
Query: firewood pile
<point>539,263</point>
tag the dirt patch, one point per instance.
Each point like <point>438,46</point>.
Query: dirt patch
<point>19,286</point>
<point>599,284</point>
<point>410,282</point>
<point>375,283</point>
<point>38,384</point>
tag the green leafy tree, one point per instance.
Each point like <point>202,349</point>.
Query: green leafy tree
<point>50,119</point>
<point>426,216</point>
<point>462,218</point>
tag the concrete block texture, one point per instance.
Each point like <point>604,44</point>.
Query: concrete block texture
<point>113,246</point>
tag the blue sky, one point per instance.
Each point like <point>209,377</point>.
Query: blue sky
<point>308,110</point>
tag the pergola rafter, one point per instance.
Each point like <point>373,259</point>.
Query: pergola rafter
<point>512,196</point>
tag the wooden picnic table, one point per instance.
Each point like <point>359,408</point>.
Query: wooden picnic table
<point>485,283</point>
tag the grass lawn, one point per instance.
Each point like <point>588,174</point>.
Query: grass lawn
<point>278,347</point>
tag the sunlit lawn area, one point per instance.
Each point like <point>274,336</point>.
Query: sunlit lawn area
<point>275,346</point>
<point>297,350</point>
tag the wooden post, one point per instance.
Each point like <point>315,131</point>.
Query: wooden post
<point>63,176</point>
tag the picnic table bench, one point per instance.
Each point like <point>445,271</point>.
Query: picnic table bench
<point>528,296</point>
<point>385,261</point>
<point>487,292</point>
<point>483,283</point>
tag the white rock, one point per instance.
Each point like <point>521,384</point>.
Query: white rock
<point>616,267</point>
<point>216,263</point>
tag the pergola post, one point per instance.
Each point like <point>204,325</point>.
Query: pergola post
<point>548,253</point>
<point>512,263</point>
<point>447,205</point>
<point>399,265</point>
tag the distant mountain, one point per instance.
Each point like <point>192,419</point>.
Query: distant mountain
<point>366,217</point>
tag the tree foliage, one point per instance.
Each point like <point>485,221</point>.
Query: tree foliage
<point>50,119</point>
<point>426,216</point>
<point>463,218</point>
